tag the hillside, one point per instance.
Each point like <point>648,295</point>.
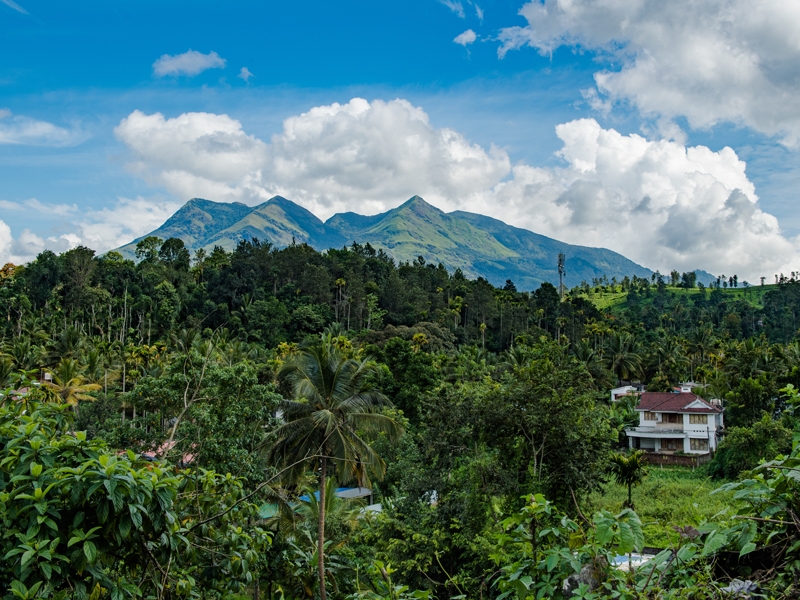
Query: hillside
<point>280,221</point>
<point>613,302</point>
<point>195,222</point>
<point>582,262</point>
<point>478,245</point>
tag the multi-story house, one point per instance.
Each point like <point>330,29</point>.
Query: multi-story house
<point>671,422</point>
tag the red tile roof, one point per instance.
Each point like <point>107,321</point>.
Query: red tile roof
<point>672,402</point>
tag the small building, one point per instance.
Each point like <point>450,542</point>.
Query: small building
<point>671,422</point>
<point>687,386</point>
<point>625,390</point>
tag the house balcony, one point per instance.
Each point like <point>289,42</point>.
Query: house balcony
<point>664,441</point>
<point>668,430</point>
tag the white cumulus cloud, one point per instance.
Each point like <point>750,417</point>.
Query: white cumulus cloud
<point>327,158</point>
<point>466,38</point>
<point>5,243</point>
<point>62,210</point>
<point>123,221</point>
<point>24,131</point>
<point>193,152</point>
<point>716,61</point>
<point>660,203</point>
<point>189,63</point>
<point>657,202</point>
<point>245,74</point>
<point>101,230</point>
<point>28,245</point>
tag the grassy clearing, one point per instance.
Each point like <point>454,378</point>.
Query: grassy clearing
<point>669,496</point>
<point>607,301</point>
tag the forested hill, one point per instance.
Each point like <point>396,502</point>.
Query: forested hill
<point>480,246</point>
<point>138,405</point>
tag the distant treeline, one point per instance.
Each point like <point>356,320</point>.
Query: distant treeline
<point>268,295</point>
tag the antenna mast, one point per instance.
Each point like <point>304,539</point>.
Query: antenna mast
<point>561,273</point>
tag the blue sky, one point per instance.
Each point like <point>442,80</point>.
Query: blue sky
<point>70,73</point>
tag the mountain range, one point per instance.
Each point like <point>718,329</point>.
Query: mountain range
<point>478,245</point>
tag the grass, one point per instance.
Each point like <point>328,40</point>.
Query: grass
<point>607,301</point>
<point>672,496</point>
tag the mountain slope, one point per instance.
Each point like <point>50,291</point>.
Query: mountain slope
<point>194,222</point>
<point>279,221</point>
<point>416,228</point>
<point>539,255</point>
<point>480,246</point>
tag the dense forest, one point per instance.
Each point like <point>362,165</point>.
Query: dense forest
<point>178,427</point>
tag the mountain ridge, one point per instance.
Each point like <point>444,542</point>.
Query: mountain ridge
<point>478,245</point>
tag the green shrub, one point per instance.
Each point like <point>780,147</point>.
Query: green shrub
<point>744,447</point>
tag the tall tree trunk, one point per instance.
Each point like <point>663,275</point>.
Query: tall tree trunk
<point>321,534</point>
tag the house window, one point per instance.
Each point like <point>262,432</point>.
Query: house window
<point>698,444</point>
<point>698,419</point>
<point>649,416</point>
<point>669,444</point>
<point>672,418</point>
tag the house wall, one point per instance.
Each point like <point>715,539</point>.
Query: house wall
<point>663,424</point>
<point>708,431</point>
<point>659,423</point>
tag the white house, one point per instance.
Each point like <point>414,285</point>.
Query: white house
<point>672,422</point>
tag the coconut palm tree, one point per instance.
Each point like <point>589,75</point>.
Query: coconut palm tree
<point>624,356</point>
<point>701,341</point>
<point>593,360</point>
<point>333,406</point>
<point>69,385</point>
<point>628,470</point>
<point>515,358</point>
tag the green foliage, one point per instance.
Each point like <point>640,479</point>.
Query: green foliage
<point>222,415</point>
<point>503,393</point>
<point>666,497</point>
<point>768,510</point>
<point>333,410</point>
<point>628,470</point>
<point>413,374</point>
<point>379,586</point>
<point>744,447</point>
<point>480,445</point>
<point>749,400</point>
<point>78,517</point>
<point>169,305</point>
<point>540,548</point>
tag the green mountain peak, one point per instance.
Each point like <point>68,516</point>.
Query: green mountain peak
<point>476,244</point>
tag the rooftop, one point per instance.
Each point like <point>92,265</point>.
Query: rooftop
<point>675,402</point>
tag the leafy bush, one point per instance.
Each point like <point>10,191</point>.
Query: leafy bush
<point>80,520</point>
<point>744,447</point>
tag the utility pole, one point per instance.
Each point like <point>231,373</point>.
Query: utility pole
<point>561,273</point>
